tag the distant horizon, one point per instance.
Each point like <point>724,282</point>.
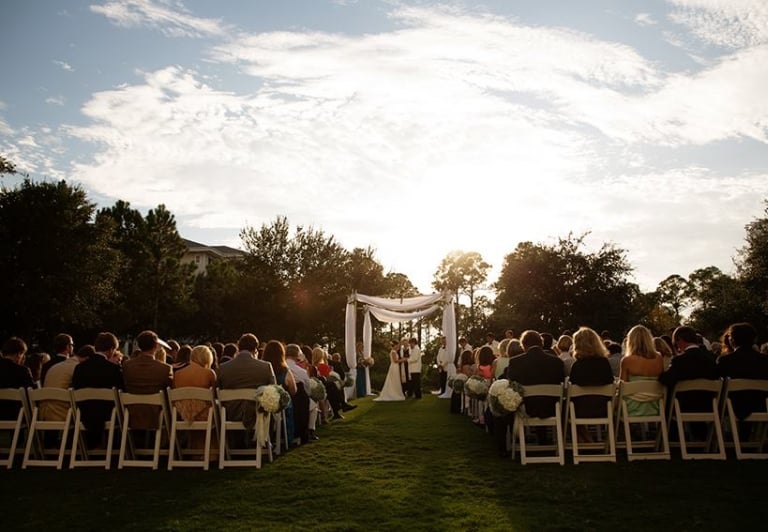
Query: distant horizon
<point>413,127</point>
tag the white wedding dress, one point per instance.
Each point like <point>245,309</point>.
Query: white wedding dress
<point>393,389</point>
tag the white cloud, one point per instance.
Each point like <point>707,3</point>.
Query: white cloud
<point>55,100</point>
<point>645,19</point>
<point>168,16</point>
<point>729,23</point>
<point>476,129</point>
<point>63,65</point>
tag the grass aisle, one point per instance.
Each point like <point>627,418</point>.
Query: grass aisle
<point>408,466</point>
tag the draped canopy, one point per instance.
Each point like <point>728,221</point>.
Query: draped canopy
<point>395,311</point>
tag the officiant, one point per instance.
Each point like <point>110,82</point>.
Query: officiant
<point>405,377</point>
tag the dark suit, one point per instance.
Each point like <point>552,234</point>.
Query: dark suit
<point>13,375</point>
<point>693,363</point>
<point>244,371</point>
<point>745,363</point>
<point>145,375</point>
<point>535,366</point>
<point>96,372</point>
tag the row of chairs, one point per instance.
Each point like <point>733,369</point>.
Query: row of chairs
<point>719,413</point>
<point>68,433</point>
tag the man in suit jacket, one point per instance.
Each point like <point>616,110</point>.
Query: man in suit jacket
<point>13,374</point>
<point>414,367</point>
<point>744,363</point>
<point>146,375</point>
<point>692,362</point>
<point>245,371</point>
<point>63,348</point>
<point>96,371</point>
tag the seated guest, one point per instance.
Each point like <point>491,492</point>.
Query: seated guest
<point>274,353</point>
<point>172,352</point>
<point>245,371</point>
<point>744,363</point>
<point>59,376</point>
<point>35,363</point>
<point>692,362</point>
<point>13,374</point>
<point>302,404</point>
<point>591,368</point>
<point>197,374</point>
<point>502,361</point>
<point>218,351</point>
<point>182,357</point>
<point>96,371</point>
<point>144,374</point>
<point>664,350</point>
<point>228,353</point>
<point>614,357</point>
<point>63,348</point>
<point>547,343</point>
<point>642,362</point>
<point>563,351</point>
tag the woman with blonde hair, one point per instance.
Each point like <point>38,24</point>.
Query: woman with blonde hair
<point>563,350</point>
<point>664,350</point>
<point>642,362</point>
<point>591,368</point>
<point>197,373</point>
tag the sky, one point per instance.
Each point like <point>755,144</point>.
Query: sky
<point>413,127</point>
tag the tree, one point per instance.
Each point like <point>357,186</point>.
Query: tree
<point>674,293</point>
<point>463,273</point>
<point>56,261</point>
<point>6,166</point>
<point>153,286</point>
<point>719,300</point>
<point>557,287</point>
<point>752,260</point>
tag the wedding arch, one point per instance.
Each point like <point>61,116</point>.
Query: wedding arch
<point>394,311</point>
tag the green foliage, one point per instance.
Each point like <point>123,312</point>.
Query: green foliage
<point>6,166</point>
<point>464,273</point>
<point>556,287</point>
<point>720,300</point>
<point>56,262</point>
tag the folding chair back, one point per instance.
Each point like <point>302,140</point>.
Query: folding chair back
<point>200,397</point>
<point>130,399</point>
<point>711,416</point>
<point>652,394</point>
<point>227,451</point>
<point>556,422</point>
<point>758,419</point>
<point>15,426</point>
<point>38,426</point>
<point>79,445</point>
<point>608,392</point>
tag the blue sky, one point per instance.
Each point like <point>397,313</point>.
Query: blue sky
<point>414,127</point>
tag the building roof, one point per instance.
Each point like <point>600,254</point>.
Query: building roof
<point>220,251</point>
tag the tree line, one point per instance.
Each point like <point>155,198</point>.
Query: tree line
<point>68,266</point>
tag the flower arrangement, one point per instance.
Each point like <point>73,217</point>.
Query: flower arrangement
<point>316,389</point>
<point>272,398</point>
<point>457,383</point>
<point>349,381</point>
<point>505,397</point>
<point>365,362</point>
<point>334,378</point>
<point>477,387</point>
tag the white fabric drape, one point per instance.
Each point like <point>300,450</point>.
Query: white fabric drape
<point>349,335</point>
<point>389,316</point>
<point>367,341</point>
<point>449,326</point>
<point>409,303</point>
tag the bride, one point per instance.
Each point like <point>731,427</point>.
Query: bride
<point>393,389</point>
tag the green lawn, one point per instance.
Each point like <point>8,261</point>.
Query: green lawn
<point>406,466</point>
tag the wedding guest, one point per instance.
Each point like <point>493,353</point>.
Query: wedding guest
<point>218,351</point>
<point>500,364</point>
<point>146,375</point>
<point>492,343</point>
<point>510,334</point>
<point>485,362</point>
<point>274,353</point>
<point>361,377</point>
<point>13,374</point>
<point>466,363</point>
<point>563,351</point>
<point>664,350</point>
<point>304,408</point>
<point>245,371</point>
<point>642,362</point>
<point>172,353</point>
<point>441,359</point>
<point>744,363</point>
<point>228,353</point>
<point>547,343</point>
<point>63,348</point>
<point>59,376</point>
<point>35,362</point>
<point>96,371</point>
<point>196,374</point>
<point>591,368</point>
<point>614,357</point>
<point>515,348</point>
<point>463,346</point>
<point>182,357</point>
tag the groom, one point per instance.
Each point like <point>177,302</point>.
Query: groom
<point>414,367</point>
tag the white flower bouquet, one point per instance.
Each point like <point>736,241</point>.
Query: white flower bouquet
<point>316,389</point>
<point>366,362</point>
<point>505,397</point>
<point>458,382</point>
<point>349,381</point>
<point>477,387</point>
<point>272,398</point>
<point>334,378</point>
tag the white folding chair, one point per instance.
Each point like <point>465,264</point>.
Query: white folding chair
<point>523,421</point>
<point>760,419</point>
<point>38,425</point>
<point>711,415</point>
<point>280,423</point>
<point>608,447</point>
<point>647,392</point>
<point>179,425</point>
<point>227,451</point>
<point>79,446</point>
<point>126,443</point>
<point>15,426</point>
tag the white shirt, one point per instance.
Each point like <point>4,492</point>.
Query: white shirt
<point>442,358</point>
<point>299,373</point>
<point>414,359</point>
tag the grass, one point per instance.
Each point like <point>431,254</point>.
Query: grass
<point>408,466</point>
